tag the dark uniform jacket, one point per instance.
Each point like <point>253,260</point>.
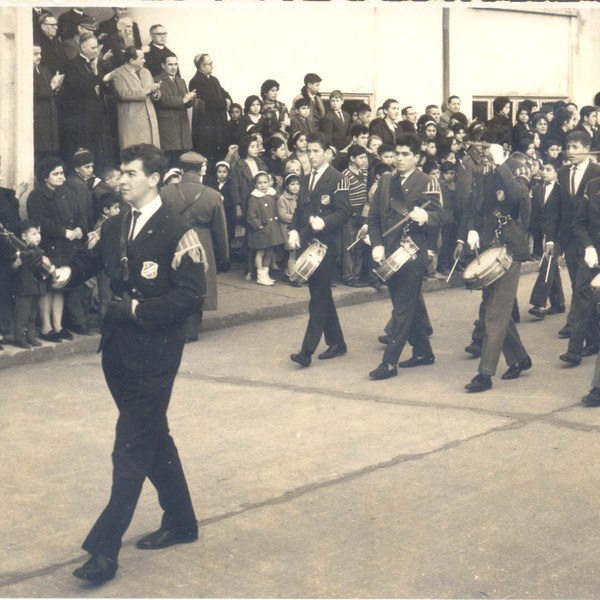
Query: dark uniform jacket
<point>586,226</point>
<point>379,127</point>
<point>336,130</point>
<point>393,201</point>
<point>562,209</point>
<point>329,200</point>
<point>501,195</point>
<point>168,292</point>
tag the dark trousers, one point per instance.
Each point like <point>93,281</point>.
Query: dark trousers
<point>76,307</point>
<point>409,314</point>
<point>572,260</point>
<point>584,311</point>
<point>143,448</point>
<point>500,332</point>
<point>323,317</point>
<point>551,289</point>
<point>25,315</point>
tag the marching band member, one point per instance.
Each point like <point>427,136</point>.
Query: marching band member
<point>398,196</point>
<point>322,210</point>
<point>493,217</point>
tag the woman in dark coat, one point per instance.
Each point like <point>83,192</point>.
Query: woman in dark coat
<point>52,205</point>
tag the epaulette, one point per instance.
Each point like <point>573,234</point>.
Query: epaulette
<point>343,184</point>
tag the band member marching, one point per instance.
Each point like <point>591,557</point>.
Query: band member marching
<point>400,197</point>
<point>322,210</point>
<point>492,218</point>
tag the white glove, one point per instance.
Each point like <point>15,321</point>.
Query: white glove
<point>591,257</point>
<point>364,229</point>
<point>316,223</point>
<point>61,277</point>
<point>497,153</point>
<point>293,239</point>
<point>418,215</point>
<point>378,253</point>
<point>473,239</point>
<point>549,249</point>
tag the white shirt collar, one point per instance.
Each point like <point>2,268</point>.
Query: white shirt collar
<point>147,212</point>
<point>406,175</point>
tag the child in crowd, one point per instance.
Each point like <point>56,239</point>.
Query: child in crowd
<point>387,154</point>
<point>451,217</point>
<point>373,143</point>
<point>109,183</point>
<point>297,145</point>
<point>363,114</point>
<point>432,168</point>
<point>235,130</point>
<point>286,206</point>
<point>550,287</point>
<point>28,290</point>
<point>293,167</point>
<point>301,121</point>
<point>222,183</point>
<point>265,232</point>
<point>275,157</point>
<point>110,206</point>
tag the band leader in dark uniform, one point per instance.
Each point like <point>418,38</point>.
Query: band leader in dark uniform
<point>156,269</point>
<point>398,196</point>
<point>322,210</point>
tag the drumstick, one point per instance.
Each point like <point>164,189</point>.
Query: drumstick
<point>403,221</point>
<point>477,254</point>
<point>541,261</point>
<point>548,269</point>
<point>452,270</point>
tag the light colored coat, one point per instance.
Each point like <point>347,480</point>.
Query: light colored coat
<point>136,116</point>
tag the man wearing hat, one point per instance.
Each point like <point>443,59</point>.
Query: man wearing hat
<point>85,122</point>
<point>171,110</point>
<point>68,22</point>
<point>310,90</point>
<point>83,24</point>
<point>202,208</point>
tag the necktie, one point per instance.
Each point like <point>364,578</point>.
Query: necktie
<point>136,215</point>
<point>573,170</point>
<point>311,185</point>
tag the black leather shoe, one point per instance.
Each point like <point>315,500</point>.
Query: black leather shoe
<point>565,332</point>
<point>384,339</point>
<point>302,358</point>
<point>163,538</point>
<point>573,358</point>
<point>333,351</point>
<point>537,311</point>
<point>515,370</point>
<point>589,350</point>
<point>592,398</point>
<point>417,361</point>
<point>556,310</point>
<point>97,569</point>
<point>51,336</point>
<point>479,383</point>
<point>474,349</point>
<point>356,283</point>
<point>384,371</point>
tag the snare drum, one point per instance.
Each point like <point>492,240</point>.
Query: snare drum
<point>487,268</point>
<point>308,261</point>
<point>406,252</point>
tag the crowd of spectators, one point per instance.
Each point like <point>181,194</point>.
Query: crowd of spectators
<point>98,90</point>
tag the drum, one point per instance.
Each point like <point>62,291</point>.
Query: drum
<point>406,252</point>
<point>487,268</point>
<point>308,261</point>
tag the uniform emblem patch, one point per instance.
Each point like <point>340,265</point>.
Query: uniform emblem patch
<point>325,199</point>
<point>500,195</point>
<point>149,270</point>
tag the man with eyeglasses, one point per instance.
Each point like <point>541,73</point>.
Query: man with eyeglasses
<point>158,52</point>
<point>53,52</point>
<point>409,118</point>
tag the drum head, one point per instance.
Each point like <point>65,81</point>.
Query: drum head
<point>595,283</point>
<point>481,265</point>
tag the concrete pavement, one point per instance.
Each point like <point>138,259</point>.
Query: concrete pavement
<point>318,482</point>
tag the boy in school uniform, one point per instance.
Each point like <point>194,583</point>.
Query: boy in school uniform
<point>301,121</point>
<point>336,122</point>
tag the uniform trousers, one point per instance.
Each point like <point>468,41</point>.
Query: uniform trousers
<point>584,311</point>
<point>551,289</point>
<point>596,378</point>
<point>500,332</point>
<point>323,317</point>
<point>572,260</point>
<point>143,448</point>
<point>409,314</point>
